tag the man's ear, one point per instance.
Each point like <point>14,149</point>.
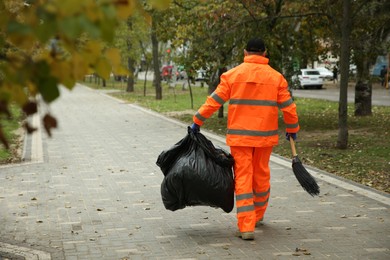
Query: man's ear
<point>245,53</point>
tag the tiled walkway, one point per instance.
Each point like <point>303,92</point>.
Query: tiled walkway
<point>93,192</point>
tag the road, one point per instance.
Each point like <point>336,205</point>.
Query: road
<point>380,96</point>
<point>330,91</point>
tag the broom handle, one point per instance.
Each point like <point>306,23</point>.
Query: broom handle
<point>293,150</point>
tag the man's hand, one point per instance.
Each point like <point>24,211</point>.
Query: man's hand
<point>195,128</point>
<point>293,135</point>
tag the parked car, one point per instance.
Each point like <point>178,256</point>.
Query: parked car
<point>307,78</point>
<point>200,75</point>
<point>166,72</point>
<point>325,73</point>
<point>380,62</point>
<point>352,69</point>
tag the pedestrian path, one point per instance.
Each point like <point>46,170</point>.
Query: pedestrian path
<point>93,192</point>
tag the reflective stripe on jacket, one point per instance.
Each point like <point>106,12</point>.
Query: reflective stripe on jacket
<point>256,92</point>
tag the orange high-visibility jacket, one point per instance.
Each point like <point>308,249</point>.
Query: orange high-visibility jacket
<point>256,92</point>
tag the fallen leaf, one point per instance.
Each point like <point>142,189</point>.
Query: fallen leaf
<point>49,122</point>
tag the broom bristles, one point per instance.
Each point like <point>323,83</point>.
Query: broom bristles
<point>304,178</point>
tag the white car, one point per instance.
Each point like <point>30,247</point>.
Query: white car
<point>325,73</point>
<point>308,78</point>
<point>200,75</point>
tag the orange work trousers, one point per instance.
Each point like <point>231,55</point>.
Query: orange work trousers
<point>252,184</point>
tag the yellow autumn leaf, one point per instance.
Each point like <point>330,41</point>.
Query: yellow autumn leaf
<point>92,50</point>
<point>125,8</point>
<point>22,41</point>
<point>50,7</point>
<point>19,95</point>
<point>120,71</point>
<point>103,68</point>
<point>16,58</point>
<point>90,71</point>
<point>79,66</point>
<point>16,92</point>
<point>32,88</point>
<point>159,4</point>
<point>69,83</point>
<point>61,70</point>
<point>69,7</point>
<point>148,18</point>
<point>114,56</point>
<point>93,12</point>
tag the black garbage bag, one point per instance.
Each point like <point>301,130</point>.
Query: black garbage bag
<point>196,173</point>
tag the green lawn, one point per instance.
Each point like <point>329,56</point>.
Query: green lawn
<point>12,130</point>
<point>367,159</point>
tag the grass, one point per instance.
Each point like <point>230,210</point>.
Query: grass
<point>366,161</point>
<point>12,130</point>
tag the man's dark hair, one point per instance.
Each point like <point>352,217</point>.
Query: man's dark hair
<point>255,45</point>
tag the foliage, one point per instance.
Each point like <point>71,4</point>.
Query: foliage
<point>176,99</point>
<point>365,161</point>
<point>47,43</point>
<point>213,34</point>
<point>10,128</point>
<point>127,40</point>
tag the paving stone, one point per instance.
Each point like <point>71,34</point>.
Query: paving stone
<point>95,194</point>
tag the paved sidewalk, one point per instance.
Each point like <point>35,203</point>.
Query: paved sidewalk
<point>93,192</point>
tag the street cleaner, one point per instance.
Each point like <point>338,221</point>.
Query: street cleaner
<point>255,92</point>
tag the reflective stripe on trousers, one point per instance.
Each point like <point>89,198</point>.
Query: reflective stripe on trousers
<point>252,184</point>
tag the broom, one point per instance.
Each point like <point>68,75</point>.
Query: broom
<point>307,181</point>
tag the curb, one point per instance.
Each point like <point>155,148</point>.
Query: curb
<point>317,173</point>
<point>11,252</point>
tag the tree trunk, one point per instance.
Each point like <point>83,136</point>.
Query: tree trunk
<point>363,90</point>
<point>130,60</point>
<point>130,79</point>
<point>342,140</point>
<point>363,97</point>
<point>220,112</point>
<point>214,85</point>
<point>191,95</point>
<point>146,76</point>
<point>156,63</point>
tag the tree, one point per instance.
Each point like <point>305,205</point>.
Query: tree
<point>156,61</point>
<point>342,140</point>
<point>212,47</point>
<point>223,27</point>
<point>369,38</point>
<point>158,24</point>
<point>354,36</point>
<point>146,60</point>
<point>128,36</point>
<point>44,44</point>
